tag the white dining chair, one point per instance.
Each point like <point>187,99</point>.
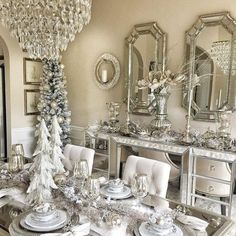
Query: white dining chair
<point>74,153</point>
<point>163,157</point>
<point>157,172</point>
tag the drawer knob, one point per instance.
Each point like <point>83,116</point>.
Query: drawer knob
<point>211,189</point>
<point>212,168</point>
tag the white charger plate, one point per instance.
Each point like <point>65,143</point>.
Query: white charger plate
<point>141,230</point>
<point>41,226</point>
<point>125,193</point>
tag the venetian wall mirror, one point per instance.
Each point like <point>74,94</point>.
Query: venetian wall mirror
<point>146,45</point>
<point>107,71</point>
<point>210,57</point>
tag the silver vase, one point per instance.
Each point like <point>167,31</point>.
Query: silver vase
<point>161,122</point>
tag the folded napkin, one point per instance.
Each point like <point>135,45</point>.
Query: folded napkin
<point>193,222</point>
<point>14,193</point>
<point>78,230</point>
<point>102,180</point>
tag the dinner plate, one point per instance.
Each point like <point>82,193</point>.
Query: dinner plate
<point>125,193</point>
<point>141,230</point>
<point>42,226</point>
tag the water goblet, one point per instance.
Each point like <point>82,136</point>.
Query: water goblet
<point>93,188</point>
<point>81,169</point>
<point>80,173</point>
<point>92,192</point>
<point>139,187</point>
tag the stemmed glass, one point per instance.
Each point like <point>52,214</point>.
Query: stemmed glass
<point>139,187</point>
<point>81,171</point>
<point>91,191</point>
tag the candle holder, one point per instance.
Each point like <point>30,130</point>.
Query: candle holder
<point>224,123</point>
<point>113,110</point>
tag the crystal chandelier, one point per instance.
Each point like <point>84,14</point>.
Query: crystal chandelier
<point>221,53</point>
<point>45,27</point>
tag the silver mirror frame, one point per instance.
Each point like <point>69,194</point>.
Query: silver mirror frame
<point>138,30</point>
<point>116,67</point>
<point>229,23</point>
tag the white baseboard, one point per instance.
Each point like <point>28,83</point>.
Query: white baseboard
<point>24,136</point>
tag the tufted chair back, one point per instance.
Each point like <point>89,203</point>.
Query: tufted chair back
<point>163,157</point>
<point>75,153</point>
<point>157,172</point>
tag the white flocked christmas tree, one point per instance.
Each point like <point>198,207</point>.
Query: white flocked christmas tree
<point>42,169</point>
<point>53,98</point>
<point>56,144</point>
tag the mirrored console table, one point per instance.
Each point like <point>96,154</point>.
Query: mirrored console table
<point>186,153</point>
<point>191,153</point>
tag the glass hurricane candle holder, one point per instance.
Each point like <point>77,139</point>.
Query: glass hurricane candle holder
<point>224,123</point>
<point>15,163</point>
<point>113,111</point>
<point>18,149</point>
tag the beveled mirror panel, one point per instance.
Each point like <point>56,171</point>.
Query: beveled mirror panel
<point>210,54</point>
<point>147,51</point>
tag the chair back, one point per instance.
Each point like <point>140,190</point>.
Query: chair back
<point>157,172</point>
<point>163,157</point>
<point>74,153</point>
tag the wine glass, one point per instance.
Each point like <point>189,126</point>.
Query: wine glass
<point>139,187</point>
<point>92,188</point>
<point>81,169</point>
<point>91,191</point>
<point>81,172</point>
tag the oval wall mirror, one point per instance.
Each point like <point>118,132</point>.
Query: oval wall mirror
<point>107,71</point>
<point>210,56</point>
<point>148,52</point>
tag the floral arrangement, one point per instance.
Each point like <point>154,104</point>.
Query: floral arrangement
<point>160,81</point>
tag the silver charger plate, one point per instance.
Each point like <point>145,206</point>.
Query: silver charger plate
<point>125,193</point>
<point>178,226</point>
<point>49,226</point>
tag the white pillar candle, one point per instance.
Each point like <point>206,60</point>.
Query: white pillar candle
<point>219,98</point>
<point>104,76</point>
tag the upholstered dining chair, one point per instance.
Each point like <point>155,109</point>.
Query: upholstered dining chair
<point>163,157</point>
<point>74,153</point>
<point>157,172</point>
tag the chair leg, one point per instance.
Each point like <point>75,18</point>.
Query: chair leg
<point>121,169</point>
<point>179,182</point>
<point>223,207</point>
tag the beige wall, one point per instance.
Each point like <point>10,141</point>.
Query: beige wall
<point>111,21</point>
<point>13,57</point>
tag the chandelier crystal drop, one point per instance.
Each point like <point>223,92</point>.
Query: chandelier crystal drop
<point>221,53</point>
<point>45,27</point>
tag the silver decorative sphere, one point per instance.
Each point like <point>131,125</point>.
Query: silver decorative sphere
<point>68,120</point>
<point>39,118</point>
<point>53,104</point>
<point>60,179</point>
<point>60,119</point>
<point>46,87</point>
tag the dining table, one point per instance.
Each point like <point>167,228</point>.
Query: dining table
<point>110,216</point>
